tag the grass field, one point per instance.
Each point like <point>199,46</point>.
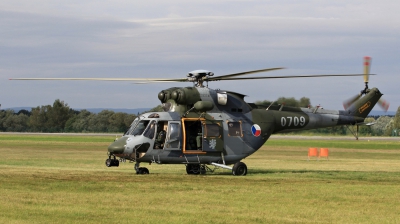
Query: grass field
<point>63,179</point>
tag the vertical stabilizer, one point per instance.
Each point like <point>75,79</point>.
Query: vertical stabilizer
<point>363,106</point>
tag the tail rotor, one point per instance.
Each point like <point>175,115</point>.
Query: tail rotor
<point>382,103</point>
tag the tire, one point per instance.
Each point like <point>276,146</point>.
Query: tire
<point>193,169</point>
<point>115,162</point>
<point>203,169</point>
<point>239,169</point>
<point>189,169</point>
<point>143,170</point>
<point>109,163</point>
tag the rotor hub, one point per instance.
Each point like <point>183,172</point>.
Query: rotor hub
<point>199,76</point>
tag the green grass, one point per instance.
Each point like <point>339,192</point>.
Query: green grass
<point>364,143</point>
<point>63,179</point>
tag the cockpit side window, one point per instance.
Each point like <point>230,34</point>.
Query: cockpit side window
<point>149,133</point>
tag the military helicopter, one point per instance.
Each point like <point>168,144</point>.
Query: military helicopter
<point>203,127</point>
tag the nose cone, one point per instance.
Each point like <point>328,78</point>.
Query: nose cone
<point>118,146</point>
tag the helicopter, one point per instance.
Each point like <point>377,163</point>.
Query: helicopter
<point>201,127</point>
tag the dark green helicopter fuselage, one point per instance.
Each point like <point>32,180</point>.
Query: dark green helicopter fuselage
<point>206,126</point>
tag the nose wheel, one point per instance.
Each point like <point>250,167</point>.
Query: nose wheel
<point>112,161</point>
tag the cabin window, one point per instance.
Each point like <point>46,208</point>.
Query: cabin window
<point>212,130</point>
<point>173,136</point>
<point>234,128</point>
<point>149,133</point>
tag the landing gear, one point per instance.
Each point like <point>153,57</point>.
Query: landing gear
<point>239,169</point>
<point>195,169</point>
<point>141,170</point>
<point>112,162</point>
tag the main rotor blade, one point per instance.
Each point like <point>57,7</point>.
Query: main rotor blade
<point>225,77</point>
<point>287,76</point>
<point>108,79</point>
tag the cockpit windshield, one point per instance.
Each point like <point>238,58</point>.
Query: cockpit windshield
<point>137,127</point>
<point>133,126</point>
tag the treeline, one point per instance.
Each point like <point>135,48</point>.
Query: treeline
<point>59,117</point>
<point>381,126</point>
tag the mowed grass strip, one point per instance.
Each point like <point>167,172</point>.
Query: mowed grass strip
<point>52,183</point>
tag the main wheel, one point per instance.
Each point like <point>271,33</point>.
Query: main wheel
<point>239,169</point>
<point>189,169</point>
<point>193,169</point>
<point>203,169</point>
<point>143,170</point>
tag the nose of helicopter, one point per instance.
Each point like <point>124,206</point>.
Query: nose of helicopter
<point>118,146</point>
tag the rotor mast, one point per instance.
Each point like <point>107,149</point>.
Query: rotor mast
<point>199,76</point>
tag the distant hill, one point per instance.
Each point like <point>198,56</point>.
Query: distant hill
<point>93,110</point>
<point>382,113</point>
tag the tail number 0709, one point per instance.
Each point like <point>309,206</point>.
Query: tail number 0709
<point>293,121</point>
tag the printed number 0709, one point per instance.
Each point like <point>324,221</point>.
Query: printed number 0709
<point>293,121</point>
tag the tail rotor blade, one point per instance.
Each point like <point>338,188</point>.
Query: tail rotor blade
<point>384,104</point>
<point>367,65</point>
<point>350,101</point>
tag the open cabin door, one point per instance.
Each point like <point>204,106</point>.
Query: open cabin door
<point>201,136</point>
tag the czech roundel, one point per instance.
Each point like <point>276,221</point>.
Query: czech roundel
<point>256,130</point>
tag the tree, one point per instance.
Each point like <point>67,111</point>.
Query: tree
<point>79,122</point>
<point>57,116</point>
<point>117,122</point>
<point>128,120</point>
<point>50,118</point>
<point>396,121</point>
<point>38,119</point>
<point>304,102</point>
<point>4,115</point>
<point>16,123</point>
<point>290,101</point>
<point>367,130</point>
<point>100,122</point>
<point>381,126</point>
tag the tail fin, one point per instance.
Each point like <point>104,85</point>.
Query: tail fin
<point>363,106</point>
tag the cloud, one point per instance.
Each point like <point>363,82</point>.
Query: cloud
<point>159,39</point>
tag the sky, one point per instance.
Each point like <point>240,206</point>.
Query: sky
<point>168,39</point>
